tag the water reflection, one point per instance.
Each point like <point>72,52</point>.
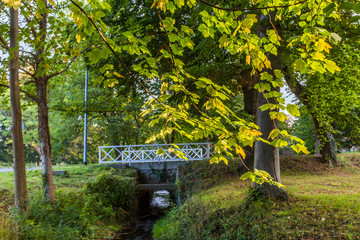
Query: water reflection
<point>160,199</point>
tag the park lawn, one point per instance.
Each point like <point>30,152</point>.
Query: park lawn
<point>78,176</point>
<point>324,204</point>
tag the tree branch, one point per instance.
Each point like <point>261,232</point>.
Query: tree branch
<point>27,72</point>
<point>23,91</point>
<point>4,43</point>
<point>64,70</point>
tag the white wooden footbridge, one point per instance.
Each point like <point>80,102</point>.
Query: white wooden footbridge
<point>147,157</point>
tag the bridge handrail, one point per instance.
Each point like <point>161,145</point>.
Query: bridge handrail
<point>127,153</point>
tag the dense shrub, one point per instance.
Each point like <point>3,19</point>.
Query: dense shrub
<point>113,191</point>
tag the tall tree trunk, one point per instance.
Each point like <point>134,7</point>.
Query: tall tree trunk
<point>41,88</point>
<point>16,125</point>
<point>44,137</point>
<point>266,157</point>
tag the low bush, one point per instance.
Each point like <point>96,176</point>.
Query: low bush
<point>113,191</point>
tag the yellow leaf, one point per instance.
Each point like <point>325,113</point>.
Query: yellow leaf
<point>78,38</point>
<point>323,46</point>
<point>13,3</point>
<point>248,59</point>
<point>240,151</point>
<point>319,56</point>
<point>118,75</point>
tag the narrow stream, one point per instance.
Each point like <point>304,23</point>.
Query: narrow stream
<point>150,207</point>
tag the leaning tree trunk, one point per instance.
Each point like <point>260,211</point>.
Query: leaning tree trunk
<point>328,148</point>
<point>328,145</point>
<point>16,125</point>
<point>317,144</point>
<point>44,138</point>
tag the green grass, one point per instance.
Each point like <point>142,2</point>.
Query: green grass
<point>324,204</point>
<point>78,176</point>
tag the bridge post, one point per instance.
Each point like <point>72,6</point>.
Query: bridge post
<point>99,155</point>
<point>129,156</point>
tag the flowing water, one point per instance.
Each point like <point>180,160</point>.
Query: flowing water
<point>150,207</point>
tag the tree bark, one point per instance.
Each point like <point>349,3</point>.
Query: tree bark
<point>317,144</point>
<point>16,126</point>
<point>266,157</point>
<point>44,138</point>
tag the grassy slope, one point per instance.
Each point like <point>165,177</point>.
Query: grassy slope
<point>324,204</point>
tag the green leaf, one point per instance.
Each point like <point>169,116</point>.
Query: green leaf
<point>106,67</point>
<point>171,6</point>
<point>331,66</point>
<point>299,65</point>
<point>354,19</point>
<point>94,56</point>
<point>293,109</point>
<point>279,143</point>
<point>216,158</point>
<point>329,8</point>
<point>160,152</point>
<point>302,23</point>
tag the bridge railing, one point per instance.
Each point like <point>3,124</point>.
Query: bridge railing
<point>148,153</point>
